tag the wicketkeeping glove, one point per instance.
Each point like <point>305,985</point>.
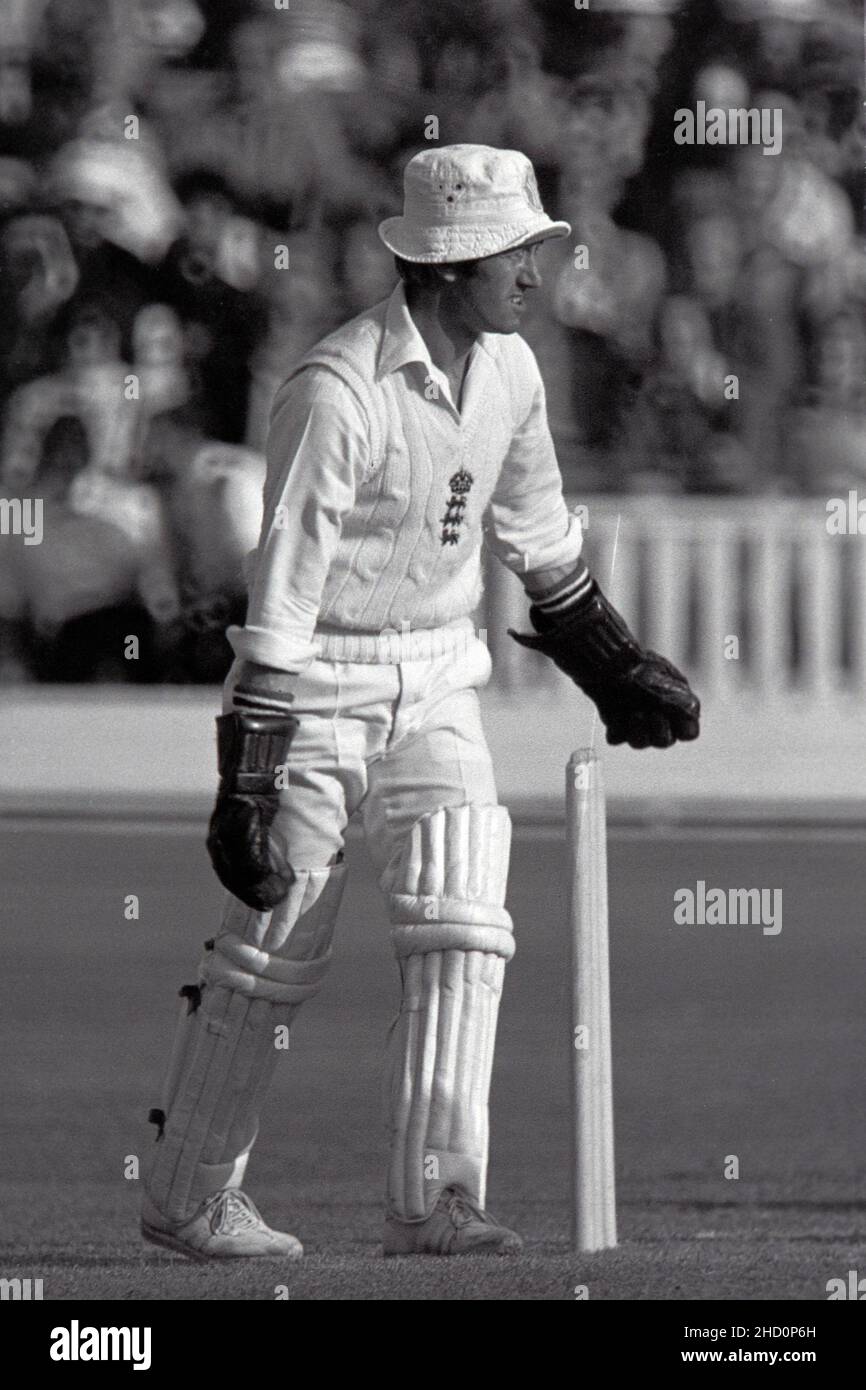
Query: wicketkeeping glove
<point>250,747</point>
<point>642,699</point>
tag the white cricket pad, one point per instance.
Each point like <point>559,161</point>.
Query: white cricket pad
<point>453,937</point>
<point>262,966</point>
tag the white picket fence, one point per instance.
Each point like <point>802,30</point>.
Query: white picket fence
<point>747,595</point>
<point>764,610</point>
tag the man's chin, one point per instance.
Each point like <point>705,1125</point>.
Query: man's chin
<point>511,326</point>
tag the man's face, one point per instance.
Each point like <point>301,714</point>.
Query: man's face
<point>15,95</point>
<point>92,341</point>
<point>492,298</point>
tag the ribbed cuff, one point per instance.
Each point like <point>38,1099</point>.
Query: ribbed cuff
<point>568,593</point>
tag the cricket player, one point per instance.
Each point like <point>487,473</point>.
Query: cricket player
<point>399,443</point>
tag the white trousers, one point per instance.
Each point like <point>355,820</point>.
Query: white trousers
<point>394,741</point>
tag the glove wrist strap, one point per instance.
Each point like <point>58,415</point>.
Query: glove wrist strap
<point>253,700</point>
<point>568,593</point>
<point>577,609</point>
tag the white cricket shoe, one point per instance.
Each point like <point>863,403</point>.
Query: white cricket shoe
<point>456,1226</point>
<point>227,1226</point>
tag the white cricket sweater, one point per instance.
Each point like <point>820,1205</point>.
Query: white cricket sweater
<point>379,492</point>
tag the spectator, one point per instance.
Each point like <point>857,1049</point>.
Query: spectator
<point>38,274</point>
<point>158,359</point>
<point>678,434</point>
<point>213,278</point>
<point>106,574</point>
<point>187,202</point>
<point>827,435</point>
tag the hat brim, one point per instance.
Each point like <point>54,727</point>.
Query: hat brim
<point>444,246</point>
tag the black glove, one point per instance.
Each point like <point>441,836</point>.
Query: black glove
<point>643,700</point>
<point>250,747</point>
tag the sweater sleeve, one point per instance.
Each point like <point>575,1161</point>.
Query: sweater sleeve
<point>527,525</point>
<point>317,452</point>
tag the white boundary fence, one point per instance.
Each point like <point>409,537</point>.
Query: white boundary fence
<point>750,595</point>
<point>783,723</point>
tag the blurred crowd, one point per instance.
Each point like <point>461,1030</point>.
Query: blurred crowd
<point>189,193</point>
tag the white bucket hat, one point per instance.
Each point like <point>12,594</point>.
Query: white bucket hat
<point>463,202</point>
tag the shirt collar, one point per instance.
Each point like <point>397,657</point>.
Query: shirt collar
<point>402,342</point>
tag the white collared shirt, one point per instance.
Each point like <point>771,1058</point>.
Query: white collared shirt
<point>353,542</point>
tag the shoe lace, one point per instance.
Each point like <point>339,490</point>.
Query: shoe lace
<point>461,1209</point>
<point>233,1211</point>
